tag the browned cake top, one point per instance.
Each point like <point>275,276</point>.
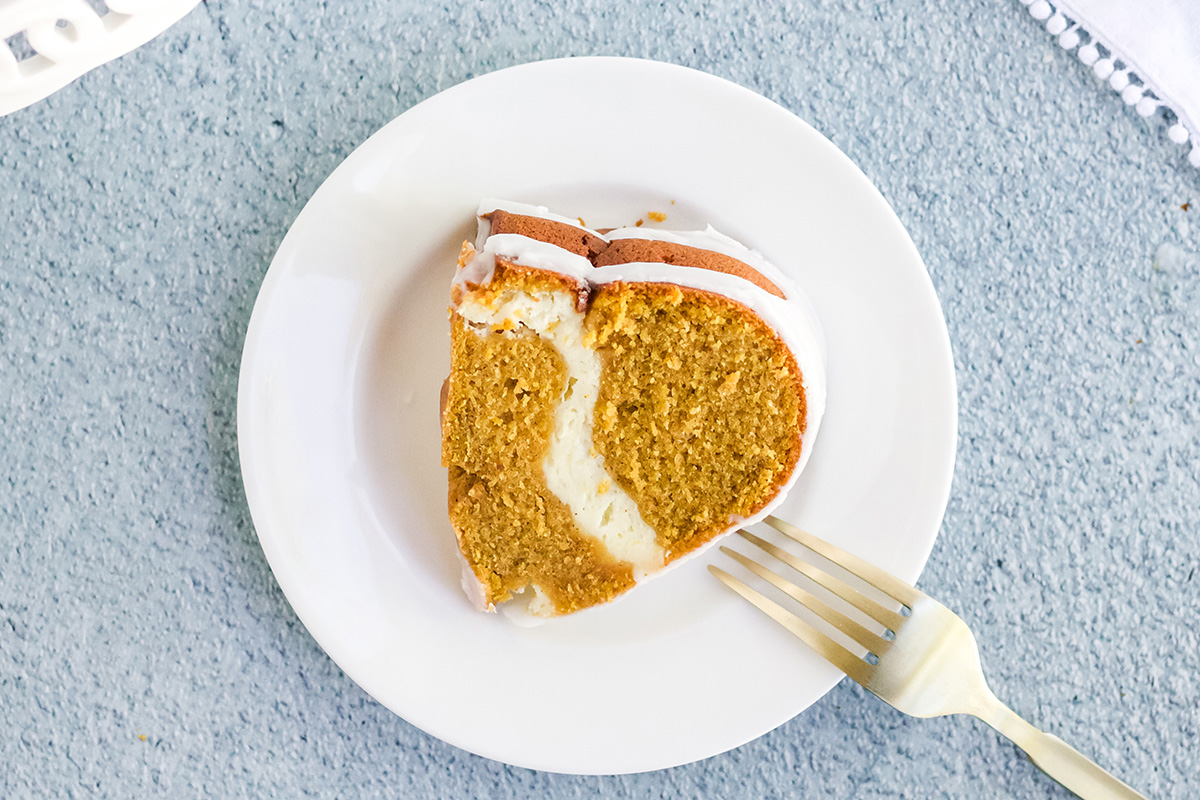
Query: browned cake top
<point>601,253</point>
<point>568,237</point>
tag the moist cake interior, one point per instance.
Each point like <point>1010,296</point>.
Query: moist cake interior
<point>599,425</point>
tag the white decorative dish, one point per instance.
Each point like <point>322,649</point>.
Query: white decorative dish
<point>348,346</point>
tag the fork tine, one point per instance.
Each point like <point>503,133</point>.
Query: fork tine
<point>865,638</point>
<point>881,614</point>
<point>873,575</point>
<point>828,649</point>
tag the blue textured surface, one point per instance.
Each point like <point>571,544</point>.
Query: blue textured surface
<point>141,208</point>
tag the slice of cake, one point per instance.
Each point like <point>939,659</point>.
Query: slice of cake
<point>616,401</point>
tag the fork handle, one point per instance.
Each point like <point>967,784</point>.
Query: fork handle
<point>1058,759</point>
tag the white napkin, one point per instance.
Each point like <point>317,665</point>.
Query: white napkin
<point>1147,50</point>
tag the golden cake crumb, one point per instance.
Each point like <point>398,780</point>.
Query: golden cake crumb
<point>715,437</point>
<point>657,216</point>
<point>496,429</point>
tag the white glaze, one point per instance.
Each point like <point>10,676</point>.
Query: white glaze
<point>524,251</point>
<point>472,586</point>
<point>712,239</point>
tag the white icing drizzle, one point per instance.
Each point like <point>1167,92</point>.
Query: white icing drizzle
<point>712,239</point>
<point>524,251</point>
<point>472,587</point>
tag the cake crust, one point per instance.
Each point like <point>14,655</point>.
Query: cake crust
<point>570,238</point>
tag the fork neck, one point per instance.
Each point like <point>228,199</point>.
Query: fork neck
<point>1052,755</point>
<point>1002,718</point>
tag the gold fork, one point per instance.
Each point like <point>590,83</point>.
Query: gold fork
<point>921,659</point>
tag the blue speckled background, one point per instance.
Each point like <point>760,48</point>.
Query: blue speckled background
<point>141,207</point>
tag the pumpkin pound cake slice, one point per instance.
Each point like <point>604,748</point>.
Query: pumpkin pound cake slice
<point>615,402</point>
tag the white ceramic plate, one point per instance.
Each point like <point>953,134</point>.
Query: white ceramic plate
<point>348,346</point>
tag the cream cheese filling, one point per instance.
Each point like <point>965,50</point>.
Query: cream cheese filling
<point>574,472</point>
